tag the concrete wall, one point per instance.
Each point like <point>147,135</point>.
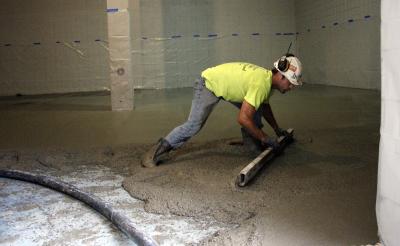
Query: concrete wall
<point>339,42</point>
<point>177,39</point>
<point>49,46</point>
<point>174,40</point>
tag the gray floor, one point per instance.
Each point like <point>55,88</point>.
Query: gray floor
<point>80,122</point>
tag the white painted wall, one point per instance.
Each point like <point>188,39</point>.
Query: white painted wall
<point>167,54</point>
<point>388,199</point>
<point>51,67</point>
<point>346,54</point>
<point>164,61</point>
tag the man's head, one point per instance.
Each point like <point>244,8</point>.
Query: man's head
<point>287,73</point>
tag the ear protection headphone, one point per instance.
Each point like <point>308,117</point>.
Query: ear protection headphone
<point>284,64</point>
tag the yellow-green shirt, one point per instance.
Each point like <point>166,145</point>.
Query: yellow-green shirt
<point>238,81</point>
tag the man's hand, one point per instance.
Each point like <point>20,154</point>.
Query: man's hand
<point>271,143</point>
<point>280,132</point>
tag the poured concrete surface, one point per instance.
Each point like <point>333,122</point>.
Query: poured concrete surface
<point>320,192</point>
<point>47,217</point>
<point>33,215</point>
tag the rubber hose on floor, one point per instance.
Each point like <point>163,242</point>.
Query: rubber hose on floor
<point>119,220</point>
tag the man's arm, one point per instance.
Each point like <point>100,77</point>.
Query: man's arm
<point>245,119</point>
<point>269,116</point>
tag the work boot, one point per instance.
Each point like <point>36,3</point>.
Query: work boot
<point>153,157</point>
<point>251,143</point>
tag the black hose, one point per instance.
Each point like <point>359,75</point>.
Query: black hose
<point>120,221</point>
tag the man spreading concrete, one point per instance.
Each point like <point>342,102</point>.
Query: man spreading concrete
<point>245,85</point>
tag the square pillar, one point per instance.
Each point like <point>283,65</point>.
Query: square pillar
<point>119,40</point>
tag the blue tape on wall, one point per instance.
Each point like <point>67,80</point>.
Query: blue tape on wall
<point>214,35</point>
<point>348,21</point>
<point>112,10</point>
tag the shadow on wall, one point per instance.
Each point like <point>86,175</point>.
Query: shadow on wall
<point>190,49</point>
<point>174,42</point>
<point>339,42</point>
<point>179,39</point>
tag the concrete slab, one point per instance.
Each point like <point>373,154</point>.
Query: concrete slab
<point>34,215</point>
<point>321,192</point>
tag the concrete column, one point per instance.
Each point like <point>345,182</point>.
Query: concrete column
<point>119,38</point>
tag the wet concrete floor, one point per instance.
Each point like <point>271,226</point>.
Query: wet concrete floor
<point>320,192</point>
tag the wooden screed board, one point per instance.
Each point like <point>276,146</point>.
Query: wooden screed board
<point>251,169</point>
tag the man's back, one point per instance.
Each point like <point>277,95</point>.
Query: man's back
<point>238,81</point>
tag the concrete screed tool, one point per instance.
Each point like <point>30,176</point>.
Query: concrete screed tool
<point>251,169</point>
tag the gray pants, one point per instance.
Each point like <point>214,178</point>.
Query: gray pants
<point>203,103</point>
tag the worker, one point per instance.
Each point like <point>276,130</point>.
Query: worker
<point>245,85</point>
